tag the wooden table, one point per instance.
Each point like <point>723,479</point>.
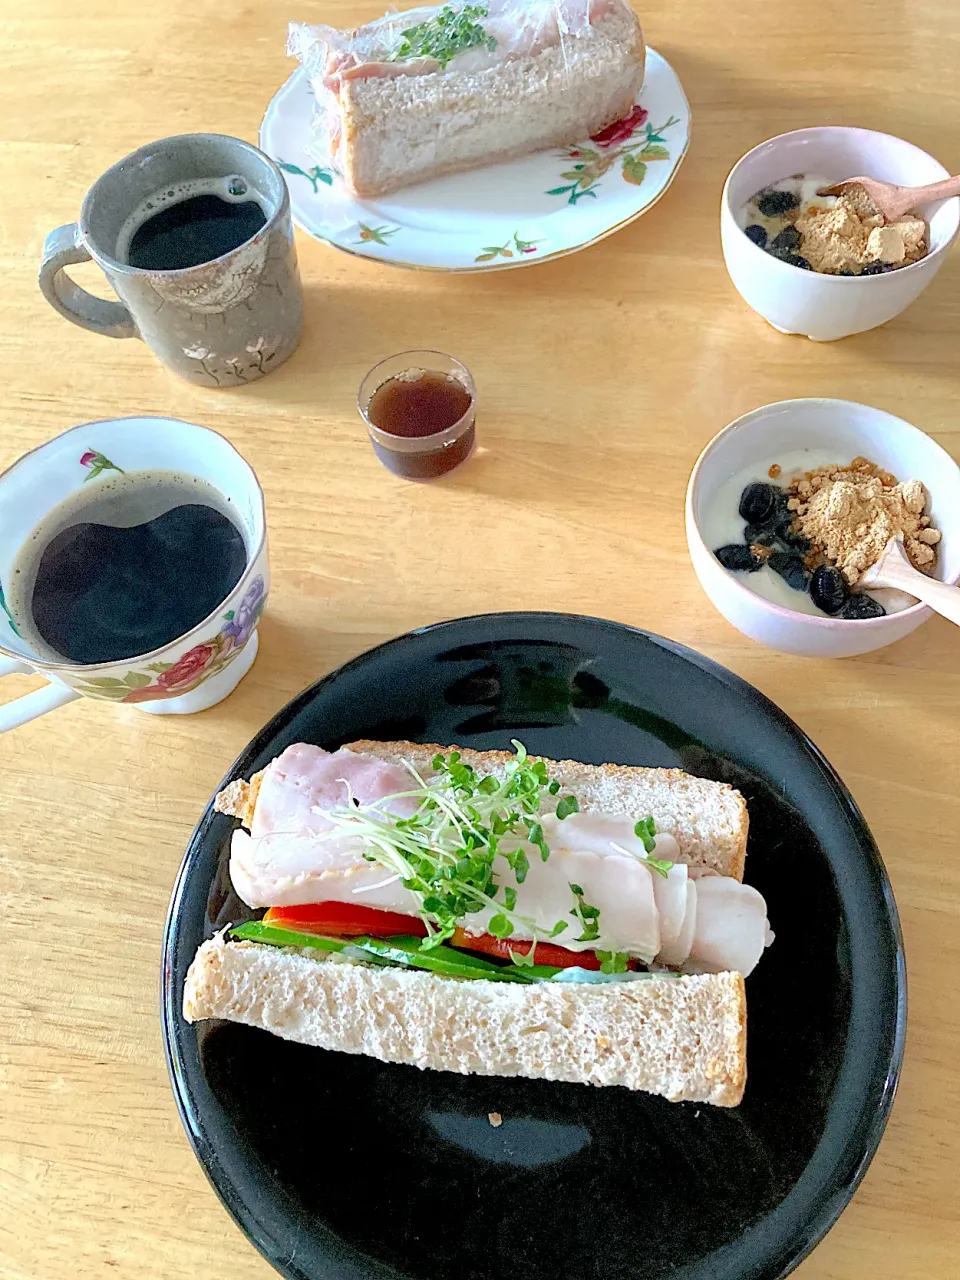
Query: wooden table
<point>602,375</point>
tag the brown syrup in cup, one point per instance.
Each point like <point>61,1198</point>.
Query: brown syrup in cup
<point>420,410</point>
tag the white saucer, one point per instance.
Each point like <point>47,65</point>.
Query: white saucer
<point>507,215</point>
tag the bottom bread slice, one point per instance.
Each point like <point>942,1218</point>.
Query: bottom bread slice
<point>683,1038</point>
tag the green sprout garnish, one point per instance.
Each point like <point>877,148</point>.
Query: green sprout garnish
<point>613,961</point>
<point>523,959</point>
<point>645,830</point>
<point>442,37</point>
<point>567,805</point>
<point>588,916</point>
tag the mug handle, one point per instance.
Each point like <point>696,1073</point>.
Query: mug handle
<point>61,248</point>
<point>33,704</point>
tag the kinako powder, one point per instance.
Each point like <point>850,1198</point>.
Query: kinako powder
<point>849,514</point>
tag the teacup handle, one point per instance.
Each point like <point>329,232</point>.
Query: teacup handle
<point>61,248</point>
<point>33,704</point>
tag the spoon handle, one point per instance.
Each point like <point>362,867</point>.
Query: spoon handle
<point>941,190</point>
<point>938,595</point>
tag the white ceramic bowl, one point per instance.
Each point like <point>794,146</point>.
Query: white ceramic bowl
<point>827,307</point>
<point>846,430</point>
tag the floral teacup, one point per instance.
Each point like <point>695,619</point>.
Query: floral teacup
<point>194,671</point>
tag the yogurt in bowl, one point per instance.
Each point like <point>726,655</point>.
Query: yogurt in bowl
<point>812,433</point>
<point>843,235</point>
<point>821,306</point>
<point>780,570</point>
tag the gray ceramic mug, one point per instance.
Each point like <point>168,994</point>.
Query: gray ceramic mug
<point>219,324</point>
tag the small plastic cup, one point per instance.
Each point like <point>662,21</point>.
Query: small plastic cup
<point>416,456</point>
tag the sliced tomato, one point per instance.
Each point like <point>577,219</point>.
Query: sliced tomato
<point>547,952</point>
<point>345,919</point>
<point>348,919</point>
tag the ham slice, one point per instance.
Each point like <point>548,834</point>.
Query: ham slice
<point>672,899</point>
<point>290,870</point>
<point>731,927</point>
<point>304,781</point>
<point>674,953</point>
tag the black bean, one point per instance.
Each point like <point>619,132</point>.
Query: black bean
<point>758,502</point>
<point>785,241</point>
<point>738,557</point>
<point>828,589</point>
<point>773,204</point>
<point>861,606</point>
<point>757,234</point>
<point>791,569</point>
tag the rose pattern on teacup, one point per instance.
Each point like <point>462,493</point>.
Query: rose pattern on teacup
<point>171,679</point>
<point>96,462</point>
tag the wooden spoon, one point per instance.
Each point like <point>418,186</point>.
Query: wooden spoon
<point>893,201</point>
<point>893,569</point>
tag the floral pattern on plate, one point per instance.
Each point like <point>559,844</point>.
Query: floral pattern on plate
<point>516,245</point>
<point>616,143</point>
<point>314,176</point>
<point>171,679</point>
<point>375,235</point>
<point>498,218</point>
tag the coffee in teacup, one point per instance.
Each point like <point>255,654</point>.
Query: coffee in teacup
<point>125,567</point>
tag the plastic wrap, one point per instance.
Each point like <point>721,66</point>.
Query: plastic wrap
<point>430,40</point>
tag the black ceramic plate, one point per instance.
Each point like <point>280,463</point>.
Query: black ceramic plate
<point>343,1168</point>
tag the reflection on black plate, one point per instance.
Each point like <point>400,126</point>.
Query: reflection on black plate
<point>350,1169</point>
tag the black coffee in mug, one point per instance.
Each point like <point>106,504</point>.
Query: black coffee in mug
<point>190,223</point>
<point>125,568</point>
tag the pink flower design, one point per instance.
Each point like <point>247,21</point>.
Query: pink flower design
<point>180,678</point>
<point>95,462</point>
<point>621,130</point>
<point>190,666</point>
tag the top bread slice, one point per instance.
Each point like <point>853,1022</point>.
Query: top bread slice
<point>399,130</point>
<point>707,819</point>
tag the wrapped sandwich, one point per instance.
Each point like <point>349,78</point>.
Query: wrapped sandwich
<point>491,913</point>
<point>441,89</point>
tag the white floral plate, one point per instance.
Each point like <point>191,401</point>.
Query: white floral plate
<point>507,215</point>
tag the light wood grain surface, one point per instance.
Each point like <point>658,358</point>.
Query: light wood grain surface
<point>601,377</point>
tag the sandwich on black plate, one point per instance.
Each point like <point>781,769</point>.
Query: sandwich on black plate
<point>494,913</point>
<point>448,87</point>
